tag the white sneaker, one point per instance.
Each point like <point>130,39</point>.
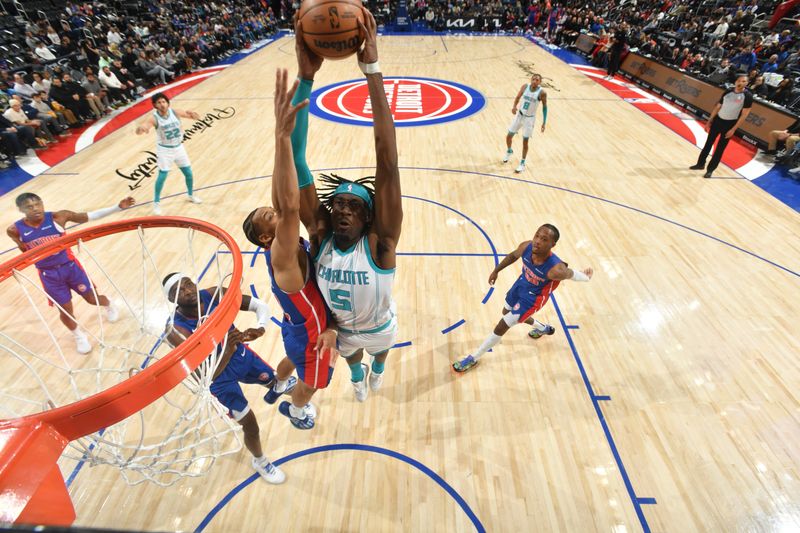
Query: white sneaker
<point>795,170</point>
<point>520,168</point>
<point>112,315</point>
<point>83,345</point>
<point>507,156</point>
<point>375,381</point>
<point>311,410</point>
<point>360,387</point>
<point>271,473</point>
<point>157,209</point>
<point>194,199</point>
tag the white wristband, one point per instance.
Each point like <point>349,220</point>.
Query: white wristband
<point>100,213</point>
<point>577,275</point>
<point>370,68</point>
<point>261,309</point>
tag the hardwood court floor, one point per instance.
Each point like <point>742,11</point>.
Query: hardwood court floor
<point>671,405</point>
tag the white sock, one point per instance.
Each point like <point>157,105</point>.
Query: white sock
<point>490,341</point>
<point>78,334</point>
<point>538,326</point>
<point>281,385</point>
<point>297,412</point>
<point>261,460</point>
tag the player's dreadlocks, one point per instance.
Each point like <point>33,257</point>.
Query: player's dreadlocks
<point>329,183</point>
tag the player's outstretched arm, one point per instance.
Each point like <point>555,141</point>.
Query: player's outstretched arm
<point>560,272</point>
<point>388,201</point>
<point>285,194</point>
<point>543,99</point>
<point>308,63</point>
<point>146,125</point>
<point>508,260</point>
<point>64,216</point>
<point>187,114</point>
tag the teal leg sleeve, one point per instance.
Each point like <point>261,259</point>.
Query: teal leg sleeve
<point>300,136</point>
<point>356,372</point>
<point>187,174</point>
<point>162,177</point>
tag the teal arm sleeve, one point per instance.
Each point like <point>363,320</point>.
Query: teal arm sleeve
<point>544,114</point>
<point>300,135</point>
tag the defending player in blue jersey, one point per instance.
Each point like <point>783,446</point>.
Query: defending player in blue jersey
<point>308,335</point>
<point>61,273</point>
<point>169,145</point>
<point>238,363</point>
<point>542,271</point>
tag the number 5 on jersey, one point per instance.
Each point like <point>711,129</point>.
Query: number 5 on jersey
<point>340,300</point>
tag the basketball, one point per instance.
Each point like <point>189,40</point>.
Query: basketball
<point>330,27</point>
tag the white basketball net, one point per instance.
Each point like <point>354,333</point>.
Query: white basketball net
<point>178,435</point>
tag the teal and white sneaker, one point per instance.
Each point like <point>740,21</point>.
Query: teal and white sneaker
<point>535,333</point>
<point>360,387</point>
<point>507,155</point>
<point>465,364</point>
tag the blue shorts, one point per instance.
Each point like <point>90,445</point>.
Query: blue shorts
<point>245,366</point>
<point>58,281</point>
<point>523,302</point>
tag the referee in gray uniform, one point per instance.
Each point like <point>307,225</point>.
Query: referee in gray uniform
<point>728,115</point>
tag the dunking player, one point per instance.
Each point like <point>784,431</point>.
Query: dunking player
<point>309,341</point>
<point>169,145</point>
<point>238,363</point>
<point>525,116</point>
<point>61,273</point>
<point>542,271</point>
<point>355,235</point>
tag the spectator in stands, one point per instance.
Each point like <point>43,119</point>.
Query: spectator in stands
<point>746,60</point>
<point>617,47</point>
<point>43,52</point>
<point>31,40</point>
<point>95,92</point>
<point>722,28</point>
<point>151,69</point>
<point>771,65</point>
<point>41,82</point>
<point>67,46</point>
<point>22,88</point>
<point>113,36</point>
<point>758,87</point>
<point>15,115</point>
<point>722,73</point>
<point>67,96</point>
<point>43,108</point>
<point>783,93</point>
<point>49,122</point>
<point>125,77</point>
<point>115,88</point>
<point>18,138</point>
<point>52,35</point>
<point>790,136</point>
<point>716,52</point>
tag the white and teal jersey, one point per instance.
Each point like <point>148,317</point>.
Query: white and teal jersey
<point>529,101</point>
<point>357,291</point>
<point>168,130</point>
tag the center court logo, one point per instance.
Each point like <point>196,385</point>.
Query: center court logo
<point>413,101</point>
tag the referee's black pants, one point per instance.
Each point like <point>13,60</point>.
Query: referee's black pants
<point>719,128</point>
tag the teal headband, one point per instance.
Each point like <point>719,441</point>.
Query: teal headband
<point>355,189</point>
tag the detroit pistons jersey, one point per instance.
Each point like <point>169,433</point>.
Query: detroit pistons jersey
<point>168,130</point>
<point>47,231</point>
<point>536,275</point>
<point>530,101</point>
<point>357,291</point>
<point>305,306</point>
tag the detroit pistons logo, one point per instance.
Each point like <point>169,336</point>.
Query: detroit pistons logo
<point>413,101</point>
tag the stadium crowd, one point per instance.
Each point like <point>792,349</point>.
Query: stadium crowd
<point>75,64</point>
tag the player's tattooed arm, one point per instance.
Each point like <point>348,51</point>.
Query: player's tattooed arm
<point>561,272</point>
<point>508,260</point>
